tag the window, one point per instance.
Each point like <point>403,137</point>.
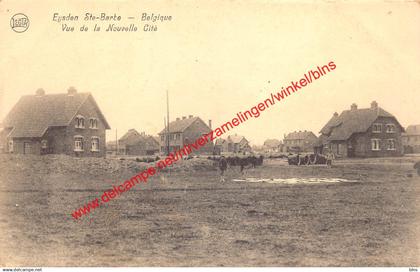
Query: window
<point>377,128</point>
<point>93,123</point>
<point>339,149</point>
<point>391,144</point>
<point>376,144</point>
<point>78,143</point>
<point>44,144</point>
<point>95,144</point>
<point>80,122</point>
<point>177,136</point>
<point>10,146</point>
<point>390,128</point>
<point>162,138</point>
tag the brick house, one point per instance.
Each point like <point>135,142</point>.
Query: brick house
<point>70,123</point>
<point>411,139</point>
<point>369,132</point>
<point>273,145</point>
<point>238,144</point>
<point>299,141</point>
<point>135,143</point>
<point>185,131</point>
<point>232,144</point>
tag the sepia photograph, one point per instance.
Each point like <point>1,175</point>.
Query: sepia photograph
<point>209,134</point>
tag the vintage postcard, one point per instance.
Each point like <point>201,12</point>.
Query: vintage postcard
<point>209,134</point>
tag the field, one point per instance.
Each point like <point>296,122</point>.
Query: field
<point>187,217</point>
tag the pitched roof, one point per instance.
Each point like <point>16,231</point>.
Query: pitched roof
<point>34,114</point>
<point>299,135</point>
<point>272,143</point>
<point>145,140</point>
<point>413,130</point>
<point>328,126</point>
<point>181,125</point>
<point>130,137</point>
<point>352,121</point>
<point>236,138</point>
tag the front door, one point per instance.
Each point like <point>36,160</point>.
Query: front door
<point>26,148</point>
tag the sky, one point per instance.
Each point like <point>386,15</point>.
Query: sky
<point>217,58</point>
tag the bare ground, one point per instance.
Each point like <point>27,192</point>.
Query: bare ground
<point>189,218</point>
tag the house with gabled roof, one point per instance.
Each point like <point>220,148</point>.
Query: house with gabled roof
<point>184,131</point>
<point>69,123</point>
<point>238,144</point>
<point>299,141</point>
<point>135,143</point>
<point>272,145</point>
<point>369,132</point>
<point>232,144</point>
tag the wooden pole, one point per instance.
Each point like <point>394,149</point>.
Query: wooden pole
<point>167,121</point>
<point>116,141</point>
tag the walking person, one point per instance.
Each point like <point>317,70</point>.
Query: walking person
<point>330,158</point>
<point>222,166</point>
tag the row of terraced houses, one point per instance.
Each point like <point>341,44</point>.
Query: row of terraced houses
<point>72,123</point>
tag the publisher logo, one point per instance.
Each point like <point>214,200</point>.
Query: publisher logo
<point>19,22</point>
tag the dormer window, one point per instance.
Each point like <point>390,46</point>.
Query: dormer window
<point>93,123</point>
<point>377,128</point>
<point>390,128</point>
<point>80,121</point>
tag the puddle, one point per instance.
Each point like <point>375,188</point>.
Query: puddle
<point>296,180</point>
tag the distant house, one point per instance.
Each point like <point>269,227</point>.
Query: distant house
<point>237,144</point>
<point>70,123</point>
<point>135,143</point>
<point>185,131</point>
<point>299,141</point>
<point>232,144</point>
<point>411,139</point>
<point>273,145</point>
<point>220,145</point>
<point>111,147</point>
<point>370,132</point>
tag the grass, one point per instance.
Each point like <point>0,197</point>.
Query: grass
<point>190,218</point>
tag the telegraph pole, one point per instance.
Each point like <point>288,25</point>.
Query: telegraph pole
<point>116,141</point>
<point>167,123</point>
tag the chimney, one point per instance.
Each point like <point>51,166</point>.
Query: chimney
<point>209,123</point>
<point>71,91</point>
<point>184,117</point>
<point>40,92</point>
<point>353,106</point>
<point>178,118</point>
<point>190,116</point>
<point>374,105</point>
<point>335,114</point>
